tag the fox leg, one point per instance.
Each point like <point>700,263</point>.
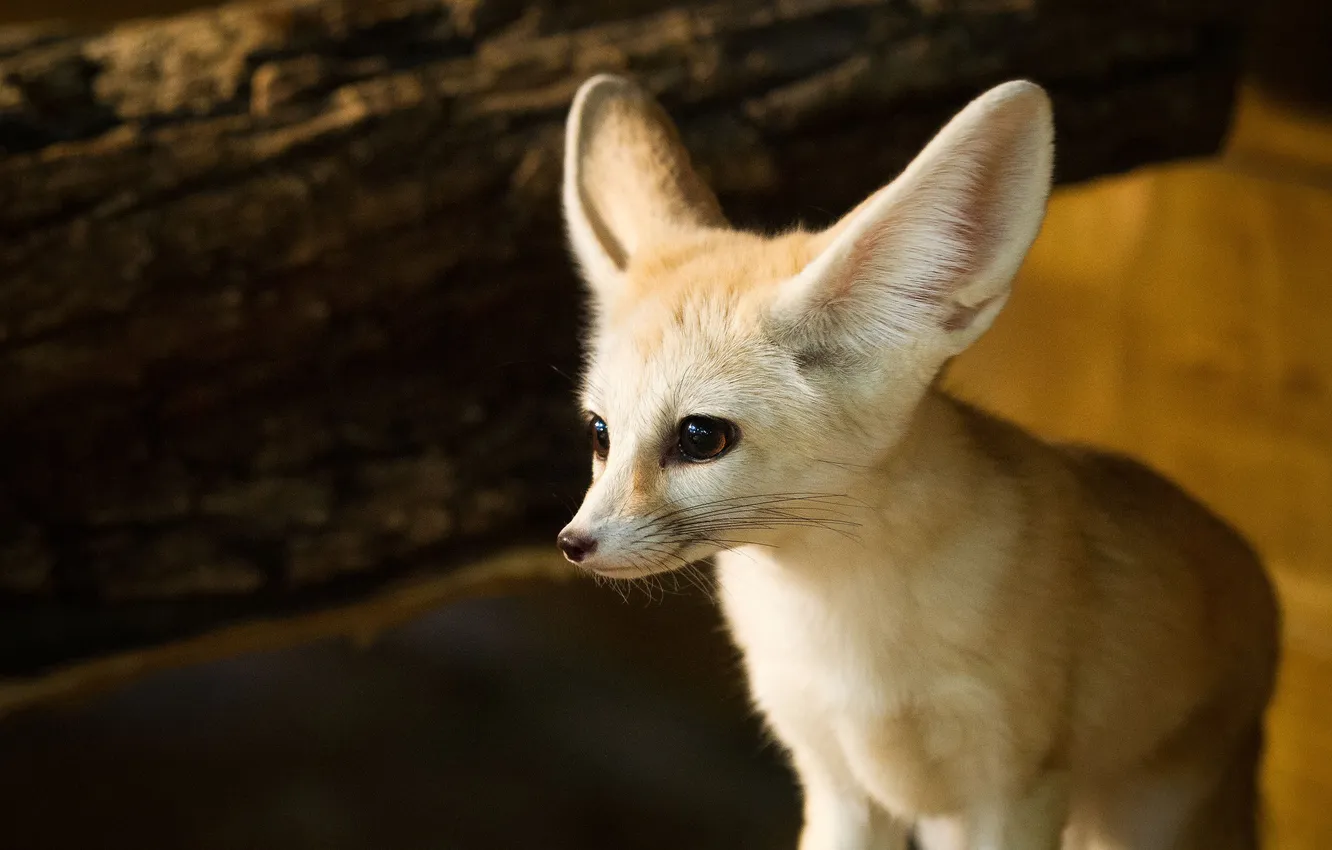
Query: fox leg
<point>839,814</point>
<point>1033,822</point>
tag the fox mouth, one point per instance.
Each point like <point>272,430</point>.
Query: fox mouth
<point>629,572</point>
<point>677,537</point>
<point>646,562</point>
<point>651,558</point>
<point>657,573</point>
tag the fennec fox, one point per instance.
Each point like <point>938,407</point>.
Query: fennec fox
<point>949,624</point>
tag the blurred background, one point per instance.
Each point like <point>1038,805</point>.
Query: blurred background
<point>1181,312</point>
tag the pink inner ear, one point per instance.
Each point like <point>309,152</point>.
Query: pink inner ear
<point>933,242</point>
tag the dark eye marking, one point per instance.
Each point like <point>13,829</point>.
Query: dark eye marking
<point>820,358</point>
<point>813,358</point>
<point>704,438</point>
<point>599,435</point>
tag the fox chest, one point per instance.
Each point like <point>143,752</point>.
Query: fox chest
<point>854,690</point>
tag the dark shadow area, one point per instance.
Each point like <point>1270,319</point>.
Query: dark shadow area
<point>562,718</point>
<point>1289,55</point>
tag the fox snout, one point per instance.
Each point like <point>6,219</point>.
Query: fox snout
<point>611,549</point>
<point>613,531</point>
<point>601,537</point>
<point>658,463</point>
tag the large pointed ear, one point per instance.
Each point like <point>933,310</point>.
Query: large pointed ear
<point>928,259</point>
<point>628,182</point>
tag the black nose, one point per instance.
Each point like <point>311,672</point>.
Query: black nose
<point>576,546</point>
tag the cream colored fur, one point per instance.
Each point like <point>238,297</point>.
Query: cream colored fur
<point>947,622</point>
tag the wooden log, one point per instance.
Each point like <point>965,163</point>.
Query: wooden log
<point>285,315</point>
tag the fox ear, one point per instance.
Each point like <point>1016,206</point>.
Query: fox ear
<point>929,258</point>
<point>628,182</point>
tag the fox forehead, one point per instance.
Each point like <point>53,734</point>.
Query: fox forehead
<point>725,262</point>
<point>716,284</point>
<point>697,363</point>
<point>687,332</point>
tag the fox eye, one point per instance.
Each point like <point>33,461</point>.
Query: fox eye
<point>599,434</point>
<point>704,438</point>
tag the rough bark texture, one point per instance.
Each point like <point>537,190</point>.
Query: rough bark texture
<point>285,315</point>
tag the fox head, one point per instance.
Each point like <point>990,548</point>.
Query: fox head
<point>737,382</point>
